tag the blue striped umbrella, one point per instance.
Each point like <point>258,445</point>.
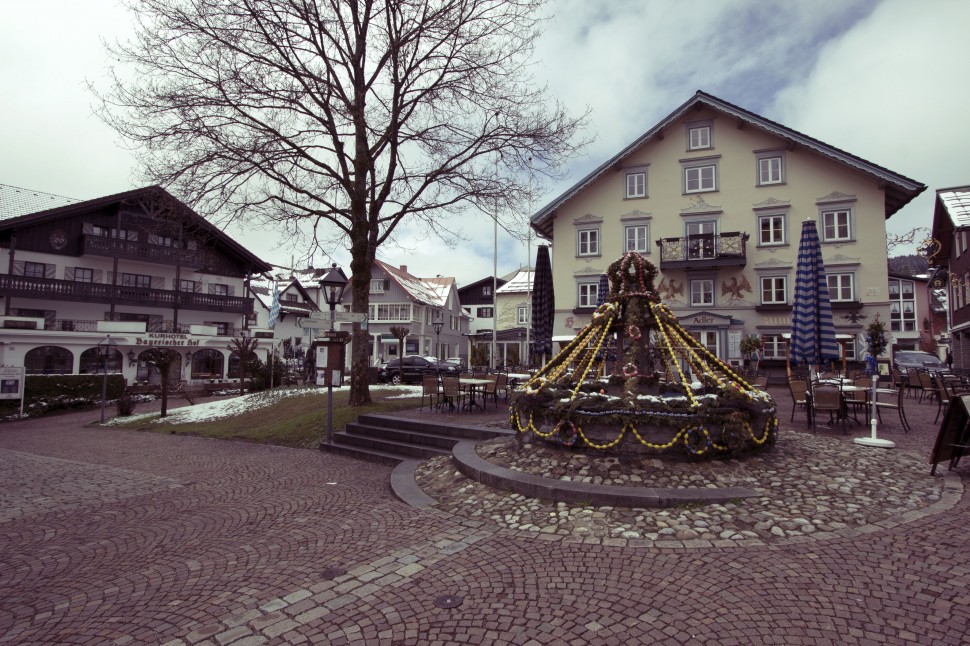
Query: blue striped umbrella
<point>812,329</point>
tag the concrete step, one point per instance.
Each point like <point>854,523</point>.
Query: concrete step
<point>444,428</point>
<point>403,449</point>
<point>403,436</point>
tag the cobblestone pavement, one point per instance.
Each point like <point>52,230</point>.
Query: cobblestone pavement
<point>121,537</point>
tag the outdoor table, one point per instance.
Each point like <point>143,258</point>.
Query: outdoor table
<point>473,386</point>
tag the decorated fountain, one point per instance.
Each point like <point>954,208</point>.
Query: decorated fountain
<point>668,395</point>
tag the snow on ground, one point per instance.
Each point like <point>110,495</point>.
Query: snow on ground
<point>211,411</point>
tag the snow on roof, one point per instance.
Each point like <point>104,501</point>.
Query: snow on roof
<point>521,282</point>
<point>16,201</point>
<point>430,291</point>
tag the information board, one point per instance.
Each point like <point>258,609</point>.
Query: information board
<point>11,382</point>
<point>953,439</point>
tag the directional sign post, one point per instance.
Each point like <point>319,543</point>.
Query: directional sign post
<point>323,319</point>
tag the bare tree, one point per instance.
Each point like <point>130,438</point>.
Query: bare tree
<point>340,119</point>
<point>245,348</point>
<point>162,359</point>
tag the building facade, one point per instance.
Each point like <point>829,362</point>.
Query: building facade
<point>129,271</point>
<point>715,197</point>
<point>951,233</point>
<point>399,299</point>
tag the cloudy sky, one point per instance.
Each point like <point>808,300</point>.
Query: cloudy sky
<point>884,80</point>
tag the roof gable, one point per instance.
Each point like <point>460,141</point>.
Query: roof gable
<point>899,189</point>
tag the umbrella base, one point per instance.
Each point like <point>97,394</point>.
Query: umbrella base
<point>875,441</point>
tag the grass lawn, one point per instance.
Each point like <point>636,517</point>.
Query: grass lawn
<point>299,420</point>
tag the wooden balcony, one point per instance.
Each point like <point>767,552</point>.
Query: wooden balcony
<point>144,252</point>
<point>66,290</point>
<point>705,251</point>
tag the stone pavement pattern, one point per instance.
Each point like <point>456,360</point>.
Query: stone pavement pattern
<point>120,537</point>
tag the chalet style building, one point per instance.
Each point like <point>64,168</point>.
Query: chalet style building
<point>715,196</point>
<point>478,302</point>
<point>951,229</point>
<point>399,299</point>
<point>129,271</point>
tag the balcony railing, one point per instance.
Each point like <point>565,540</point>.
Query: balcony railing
<point>166,327</point>
<point>132,250</point>
<point>703,251</point>
<point>66,290</point>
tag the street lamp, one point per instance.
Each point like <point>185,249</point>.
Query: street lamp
<point>332,284</point>
<point>436,324</point>
<point>104,349</point>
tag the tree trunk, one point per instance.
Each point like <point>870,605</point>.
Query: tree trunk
<point>164,371</point>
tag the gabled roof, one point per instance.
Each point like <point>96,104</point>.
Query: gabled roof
<point>951,213</point>
<point>428,291</point>
<point>230,246</point>
<point>521,282</point>
<point>16,201</point>
<point>478,283</point>
<point>899,189</point>
<point>262,290</point>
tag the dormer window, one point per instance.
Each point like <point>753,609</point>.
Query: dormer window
<point>700,135</point>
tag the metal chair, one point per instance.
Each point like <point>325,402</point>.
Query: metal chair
<point>430,389</point>
<point>858,399</point>
<point>761,383</point>
<point>800,397</point>
<point>827,398</point>
<point>898,404</point>
<point>451,393</point>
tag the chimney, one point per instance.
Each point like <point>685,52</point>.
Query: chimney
<point>404,268</point>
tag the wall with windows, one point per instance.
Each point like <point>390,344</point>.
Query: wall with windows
<point>709,175</point>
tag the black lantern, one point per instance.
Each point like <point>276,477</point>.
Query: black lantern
<point>436,324</point>
<point>332,284</point>
<point>131,358</point>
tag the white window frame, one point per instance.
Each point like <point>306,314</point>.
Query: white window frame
<point>376,285</point>
<point>641,244</point>
<point>833,225</point>
<point>588,242</point>
<point>703,337</point>
<point>773,346</point>
<point>702,292</point>
<point>771,285</point>
<point>522,315</point>
<point>695,175</point>
<point>390,312</point>
<point>839,285</point>
<point>486,290</point>
<point>636,184</point>
<point>587,294</point>
<point>780,231</point>
<point>902,305</point>
<point>700,137</point>
<point>771,169</point>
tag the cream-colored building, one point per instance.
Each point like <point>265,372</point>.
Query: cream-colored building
<point>715,197</point>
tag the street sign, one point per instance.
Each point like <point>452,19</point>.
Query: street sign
<point>323,319</point>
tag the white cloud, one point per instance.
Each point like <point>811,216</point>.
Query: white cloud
<point>881,80</point>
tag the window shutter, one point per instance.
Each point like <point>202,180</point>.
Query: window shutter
<point>69,273</point>
<point>212,289</point>
<point>87,229</point>
<point>50,271</point>
<point>232,290</point>
<point>18,267</point>
<point>97,275</point>
<point>198,286</point>
<point>158,282</point>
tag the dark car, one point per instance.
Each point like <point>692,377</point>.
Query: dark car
<point>413,368</point>
<point>906,359</point>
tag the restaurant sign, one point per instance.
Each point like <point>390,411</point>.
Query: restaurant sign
<point>166,339</point>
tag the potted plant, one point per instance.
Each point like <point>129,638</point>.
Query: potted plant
<point>750,347</point>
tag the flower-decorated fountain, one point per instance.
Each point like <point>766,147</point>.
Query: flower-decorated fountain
<point>669,396</point>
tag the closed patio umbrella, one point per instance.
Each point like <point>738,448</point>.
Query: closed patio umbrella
<point>543,304</point>
<point>812,328</point>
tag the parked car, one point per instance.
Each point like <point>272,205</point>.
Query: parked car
<point>907,359</point>
<point>413,368</point>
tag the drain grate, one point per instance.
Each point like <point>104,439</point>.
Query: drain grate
<point>332,572</point>
<point>448,601</point>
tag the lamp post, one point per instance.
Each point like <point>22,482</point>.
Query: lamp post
<point>332,284</point>
<point>436,324</point>
<point>104,349</point>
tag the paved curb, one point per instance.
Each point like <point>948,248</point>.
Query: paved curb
<point>470,464</point>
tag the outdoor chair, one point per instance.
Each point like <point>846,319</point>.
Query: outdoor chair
<point>800,397</point>
<point>502,385</point>
<point>927,387</point>
<point>430,389</point>
<point>857,399</point>
<point>827,399</point>
<point>898,380</point>
<point>912,382</point>
<point>942,396</point>
<point>893,400</point>
<point>451,393</point>
<point>761,383</point>
<point>491,389</point>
